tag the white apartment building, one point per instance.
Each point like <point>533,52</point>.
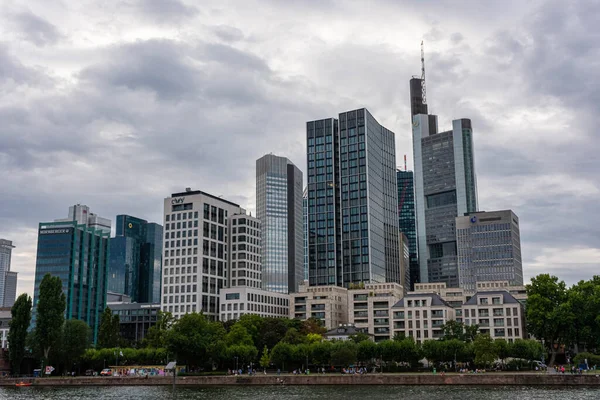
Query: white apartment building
<point>326,303</point>
<point>421,316</point>
<point>498,313</point>
<point>245,249</point>
<point>5,317</point>
<point>196,252</point>
<point>369,308</point>
<point>238,301</point>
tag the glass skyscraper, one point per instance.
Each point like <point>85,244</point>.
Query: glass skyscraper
<point>76,250</point>
<point>279,208</point>
<point>6,247</point>
<point>407,220</point>
<point>445,187</point>
<point>305,230</point>
<point>136,259</point>
<point>352,201</point>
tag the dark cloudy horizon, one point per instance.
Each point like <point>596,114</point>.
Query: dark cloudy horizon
<point>117,104</point>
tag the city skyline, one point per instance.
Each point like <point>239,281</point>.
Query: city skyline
<point>96,107</point>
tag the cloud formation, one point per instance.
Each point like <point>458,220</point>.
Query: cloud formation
<point>133,100</point>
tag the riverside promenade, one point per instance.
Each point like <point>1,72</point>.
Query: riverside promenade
<point>492,378</point>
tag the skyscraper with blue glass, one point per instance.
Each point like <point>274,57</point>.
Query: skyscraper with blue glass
<point>407,220</point>
<point>352,201</point>
<point>136,259</point>
<point>76,249</point>
<point>279,208</point>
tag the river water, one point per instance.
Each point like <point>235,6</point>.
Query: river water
<point>305,392</point>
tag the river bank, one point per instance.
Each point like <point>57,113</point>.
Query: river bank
<point>496,379</point>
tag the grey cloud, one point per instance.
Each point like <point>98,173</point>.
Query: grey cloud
<point>166,11</point>
<point>228,33</point>
<point>36,29</point>
<point>456,38</point>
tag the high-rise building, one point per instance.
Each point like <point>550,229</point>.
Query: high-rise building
<point>405,262</point>
<point>135,259</point>
<point>6,247</point>
<point>407,220</point>
<point>10,288</point>
<point>445,187</point>
<point>305,230</point>
<point>76,249</point>
<point>245,251</point>
<point>279,208</point>
<point>196,253</point>
<point>489,249</point>
<point>352,201</point>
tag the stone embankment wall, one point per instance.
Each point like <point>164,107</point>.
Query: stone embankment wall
<point>371,379</point>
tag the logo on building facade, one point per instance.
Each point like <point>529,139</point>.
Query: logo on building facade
<point>179,200</point>
<point>473,219</point>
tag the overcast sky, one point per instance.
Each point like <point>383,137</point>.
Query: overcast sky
<point>118,103</point>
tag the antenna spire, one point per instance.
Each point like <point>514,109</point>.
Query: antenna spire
<point>423,91</point>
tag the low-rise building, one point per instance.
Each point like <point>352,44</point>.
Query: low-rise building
<point>421,316</point>
<point>135,319</point>
<point>326,303</point>
<point>497,313</point>
<point>345,332</point>
<point>237,301</point>
<point>5,317</point>
<point>369,307</point>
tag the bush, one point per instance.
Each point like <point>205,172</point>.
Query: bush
<point>592,359</point>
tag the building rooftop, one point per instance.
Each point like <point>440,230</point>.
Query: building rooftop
<point>507,297</point>
<point>192,192</point>
<point>436,300</point>
<point>346,330</point>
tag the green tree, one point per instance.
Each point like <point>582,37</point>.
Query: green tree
<point>196,340</point>
<point>344,353</point>
<point>50,314</point>
<point>293,337</point>
<point>360,337</point>
<point>76,339</point>
<point>313,338</point>
<point>253,324</point>
<point>282,354</point>
<point>367,350</point>
<point>321,352</point>
<point>156,336</point>
<point>313,325</point>
<point>433,351</point>
<point>238,335</point>
<point>471,332</point>
<point>503,349</point>
<point>548,313</point>
<point>454,330</point>
<point>265,359</point>
<point>271,332</point>
<point>245,353</point>
<point>583,302</point>
<point>17,333</point>
<point>108,330</point>
<point>485,351</point>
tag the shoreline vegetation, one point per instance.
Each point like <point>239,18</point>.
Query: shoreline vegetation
<point>490,378</point>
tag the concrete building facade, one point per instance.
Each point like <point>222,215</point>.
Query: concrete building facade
<point>352,201</point>
<point>279,208</point>
<point>497,313</point>
<point>326,303</point>
<point>489,248</point>
<point>420,316</point>
<point>245,248</point>
<point>238,301</point>
<point>369,307</point>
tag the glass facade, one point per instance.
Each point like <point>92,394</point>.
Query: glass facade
<point>352,201</point>
<point>279,208</point>
<point>6,247</point>
<point>78,255</point>
<point>407,221</point>
<point>136,259</point>
<point>305,230</point>
<point>445,187</point>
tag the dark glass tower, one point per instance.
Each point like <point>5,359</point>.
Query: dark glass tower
<point>407,220</point>
<point>77,251</point>
<point>352,201</point>
<point>135,261</point>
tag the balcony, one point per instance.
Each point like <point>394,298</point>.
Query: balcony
<point>318,307</point>
<point>383,322</point>
<point>380,304</point>
<point>300,300</point>
<point>361,306</point>
<point>399,325</point>
<point>484,314</point>
<point>437,334</point>
<point>499,323</point>
<point>483,324</point>
<point>382,330</point>
<point>360,297</point>
<point>381,313</point>
<point>360,314</point>
<point>300,308</point>
<point>399,315</point>
<point>499,332</point>
<point>437,323</point>
<point>437,314</point>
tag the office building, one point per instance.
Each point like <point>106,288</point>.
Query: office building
<point>407,221</point>
<point>10,288</point>
<point>352,201</point>
<point>5,318</point>
<point>305,230</point>
<point>279,208</point>
<point>369,307</point>
<point>497,313</point>
<point>6,247</point>
<point>418,103</point>
<point>76,249</point>
<point>421,316</point>
<point>196,253</point>
<point>405,262</point>
<point>489,248</point>
<point>445,187</point>
<point>136,259</point>
<point>326,303</point>
<point>135,319</point>
<point>245,249</point>
<point>238,301</point>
